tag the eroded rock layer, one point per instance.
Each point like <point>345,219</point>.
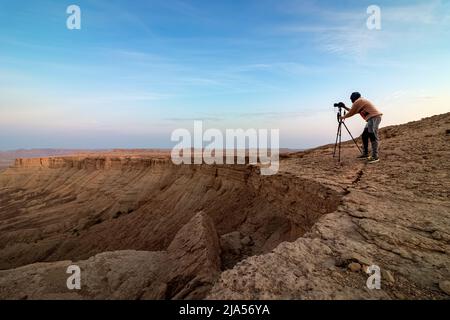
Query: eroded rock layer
<point>143,228</point>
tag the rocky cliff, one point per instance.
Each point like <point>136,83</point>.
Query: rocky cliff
<point>142,228</point>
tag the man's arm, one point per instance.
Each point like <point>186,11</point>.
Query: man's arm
<point>351,112</point>
<point>342,105</point>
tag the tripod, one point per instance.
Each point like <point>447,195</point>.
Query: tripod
<point>339,134</point>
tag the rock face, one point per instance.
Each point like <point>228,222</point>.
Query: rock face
<point>187,270</point>
<point>142,228</point>
<point>110,275</point>
<point>194,259</point>
<point>74,208</point>
<point>445,287</point>
<point>395,215</point>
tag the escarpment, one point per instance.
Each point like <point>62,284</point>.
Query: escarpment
<point>143,228</point>
<point>73,208</point>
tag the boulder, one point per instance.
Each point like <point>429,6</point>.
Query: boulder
<point>445,287</point>
<point>193,259</point>
<point>354,267</point>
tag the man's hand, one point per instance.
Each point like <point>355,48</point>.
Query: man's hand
<point>342,105</point>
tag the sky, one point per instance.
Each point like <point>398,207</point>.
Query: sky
<point>138,70</point>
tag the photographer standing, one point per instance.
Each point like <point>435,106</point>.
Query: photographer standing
<point>373,117</point>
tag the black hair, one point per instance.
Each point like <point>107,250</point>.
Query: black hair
<point>355,96</point>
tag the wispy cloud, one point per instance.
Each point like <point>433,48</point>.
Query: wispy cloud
<point>118,98</point>
<point>191,119</point>
<point>268,115</point>
<point>429,12</point>
<point>275,115</point>
<point>343,31</point>
<point>152,65</point>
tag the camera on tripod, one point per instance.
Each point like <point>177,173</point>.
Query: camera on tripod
<point>342,110</point>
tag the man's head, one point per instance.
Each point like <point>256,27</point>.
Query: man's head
<point>355,96</point>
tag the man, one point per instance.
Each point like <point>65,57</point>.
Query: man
<point>373,117</point>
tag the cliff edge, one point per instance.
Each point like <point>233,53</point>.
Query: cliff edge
<point>143,228</point>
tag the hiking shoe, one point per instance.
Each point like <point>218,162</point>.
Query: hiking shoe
<point>363,157</point>
<point>373,160</point>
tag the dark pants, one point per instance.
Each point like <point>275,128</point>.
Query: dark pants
<point>371,132</point>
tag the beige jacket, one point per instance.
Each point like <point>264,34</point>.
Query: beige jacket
<point>365,108</point>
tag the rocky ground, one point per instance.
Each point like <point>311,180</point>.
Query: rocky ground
<point>142,228</point>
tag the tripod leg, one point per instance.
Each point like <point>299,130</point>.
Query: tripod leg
<point>337,139</point>
<point>340,141</point>
<point>352,138</point>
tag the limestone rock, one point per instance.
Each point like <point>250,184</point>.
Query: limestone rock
<point>231,242</point>
<point>387,276</point>
<point>349,257</point>
<point>445,287</point>
<point>247,241</point>
<point>131,222</point>
<point>194,259</point>
<point>354,267</point>
<point>185,271</point>
<point>110,275</point>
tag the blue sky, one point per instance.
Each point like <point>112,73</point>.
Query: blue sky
<point>137,70</point>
